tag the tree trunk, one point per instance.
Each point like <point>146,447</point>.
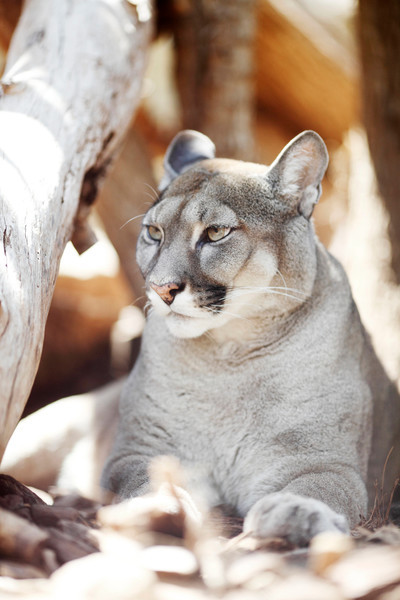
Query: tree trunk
<point>379,24</point>
<point>215,62</point>
<point>70,87</point>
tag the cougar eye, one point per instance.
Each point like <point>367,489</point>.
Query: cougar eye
<point>217,233</point>
<point>154,233</point>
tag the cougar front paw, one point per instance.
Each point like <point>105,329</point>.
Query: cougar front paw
<point>292,517</point>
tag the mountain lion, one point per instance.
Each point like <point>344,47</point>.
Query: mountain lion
<point>255,370</point>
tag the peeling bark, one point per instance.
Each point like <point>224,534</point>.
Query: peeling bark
<point>72,83</point>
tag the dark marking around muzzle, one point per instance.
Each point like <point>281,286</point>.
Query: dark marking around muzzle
<point>213,297</point>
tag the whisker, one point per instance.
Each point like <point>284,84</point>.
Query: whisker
<point>148,308</point>
<point>255,305</point>
<point>235,293</point>
<point>150,196</point>
<point>267,288</point>
<point>132,219</point>
<point>156,194</point>
<point>282,277</point>
<point>138,300</point>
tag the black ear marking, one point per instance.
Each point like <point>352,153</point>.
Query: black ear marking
<point>187,148</point>
<point>299,169</point>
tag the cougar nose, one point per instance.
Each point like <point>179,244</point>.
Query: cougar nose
<point>168,291</point>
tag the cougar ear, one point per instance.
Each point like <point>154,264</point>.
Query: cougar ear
<point>298,171</point>
<point>187,148</point>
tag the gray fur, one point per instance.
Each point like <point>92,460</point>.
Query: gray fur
<point>187,148</point>
<point>266,394</point>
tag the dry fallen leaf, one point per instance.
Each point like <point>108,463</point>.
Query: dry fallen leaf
<point>245,568</point>
<point>366,571</point>
<point>101,577</point>
<point>169,559</point>
<point>327,548</point>
<point>304,586</point>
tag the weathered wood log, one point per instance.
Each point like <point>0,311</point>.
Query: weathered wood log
<point>71,85</point>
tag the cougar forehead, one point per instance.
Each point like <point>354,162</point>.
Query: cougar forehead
<point>195,177</point>
<point>227,182</point>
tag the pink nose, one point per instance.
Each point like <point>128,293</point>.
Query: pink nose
<point>167,292</point>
